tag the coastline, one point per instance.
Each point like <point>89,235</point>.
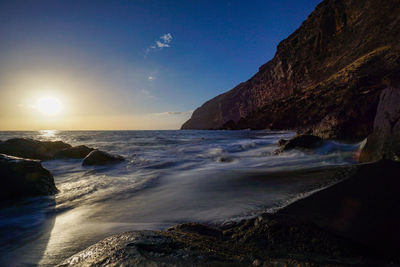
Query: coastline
<point>317,230</point>
<point>298,165</point>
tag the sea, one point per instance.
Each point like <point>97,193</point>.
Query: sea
<point>168,177</point>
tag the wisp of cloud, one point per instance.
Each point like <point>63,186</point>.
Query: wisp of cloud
<point>162,42</point>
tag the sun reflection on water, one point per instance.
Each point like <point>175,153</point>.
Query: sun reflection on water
<point>48,134</point>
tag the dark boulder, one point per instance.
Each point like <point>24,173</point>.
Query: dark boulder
<point>76,152</point>
<point>362,209</point>
<point>23,178</point>
<point>384,142</point>
<point>98,157</point>
<point>301,142</point>
<point>33,149</point>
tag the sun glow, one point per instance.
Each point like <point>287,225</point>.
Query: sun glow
<point>48,105</point>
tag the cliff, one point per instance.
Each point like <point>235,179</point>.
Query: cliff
<point>326,76</point>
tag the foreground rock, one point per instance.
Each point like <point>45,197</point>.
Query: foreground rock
<point>98,157</point>
<point>183,246</point>
<point>384,142</point>
<point>362,209</point>
<point>301,142</point>
<point>352,223</point>
<point>24,178</point>
<point>327,75</point>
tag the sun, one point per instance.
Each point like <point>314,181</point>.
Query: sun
<point>48,105</point>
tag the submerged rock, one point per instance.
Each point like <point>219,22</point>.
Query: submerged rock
<point>23,178</point>
<point>33,149</point>
<point>98,157</point>
<point>301,142</point>
<point>224,159</point>
<point>77,152</point>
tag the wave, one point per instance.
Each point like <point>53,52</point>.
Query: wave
<point>169,177</point>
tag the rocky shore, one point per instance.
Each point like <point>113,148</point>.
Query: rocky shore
<point>354,222</point>
<point>344,93</point>
<point>351,223</point>
<point>337,76</point>
<point>23,174</point>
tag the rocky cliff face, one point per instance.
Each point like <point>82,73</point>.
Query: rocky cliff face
<point>384,142</point>
<point>326,76</point>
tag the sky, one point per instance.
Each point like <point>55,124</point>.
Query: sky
<point>127,65</point>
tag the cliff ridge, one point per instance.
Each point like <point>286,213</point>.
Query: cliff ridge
<point>326,76</point>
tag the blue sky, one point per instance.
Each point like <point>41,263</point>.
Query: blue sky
<point>101,58</point>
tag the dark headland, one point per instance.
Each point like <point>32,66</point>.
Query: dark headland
<point>336,77</point>
<point>326,77</point>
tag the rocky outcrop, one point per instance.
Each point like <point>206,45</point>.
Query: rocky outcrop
<point>326,76</point>
<point>301,142</point>
<point>24,178</point>
<point>241,245</point>
<point>77,152</point>
<point>384,142</point>
<point>43,150</point>
<point>33,149</point>
<point>98,157</point>
<point>352,223</point>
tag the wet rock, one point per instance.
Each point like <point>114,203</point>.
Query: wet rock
<point>224,159</point>
<point>126,249</point>
<point>301,142</point>
<point>257,262</point>
<point>282,142</point>
<point>48,150</point>
<point>77,152</point>
<point>33,149</point>
<point>23,178</point>
<point>197,228</point>
<point>98,157</point>
<point>384,142</point>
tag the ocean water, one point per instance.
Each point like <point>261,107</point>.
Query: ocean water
<point>169,177</point>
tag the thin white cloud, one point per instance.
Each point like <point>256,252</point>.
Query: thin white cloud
<point>163,41</point>
<point>167,38</point>
<point>162,45</point>
<point>152,75</point>
<point>147,93</point>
